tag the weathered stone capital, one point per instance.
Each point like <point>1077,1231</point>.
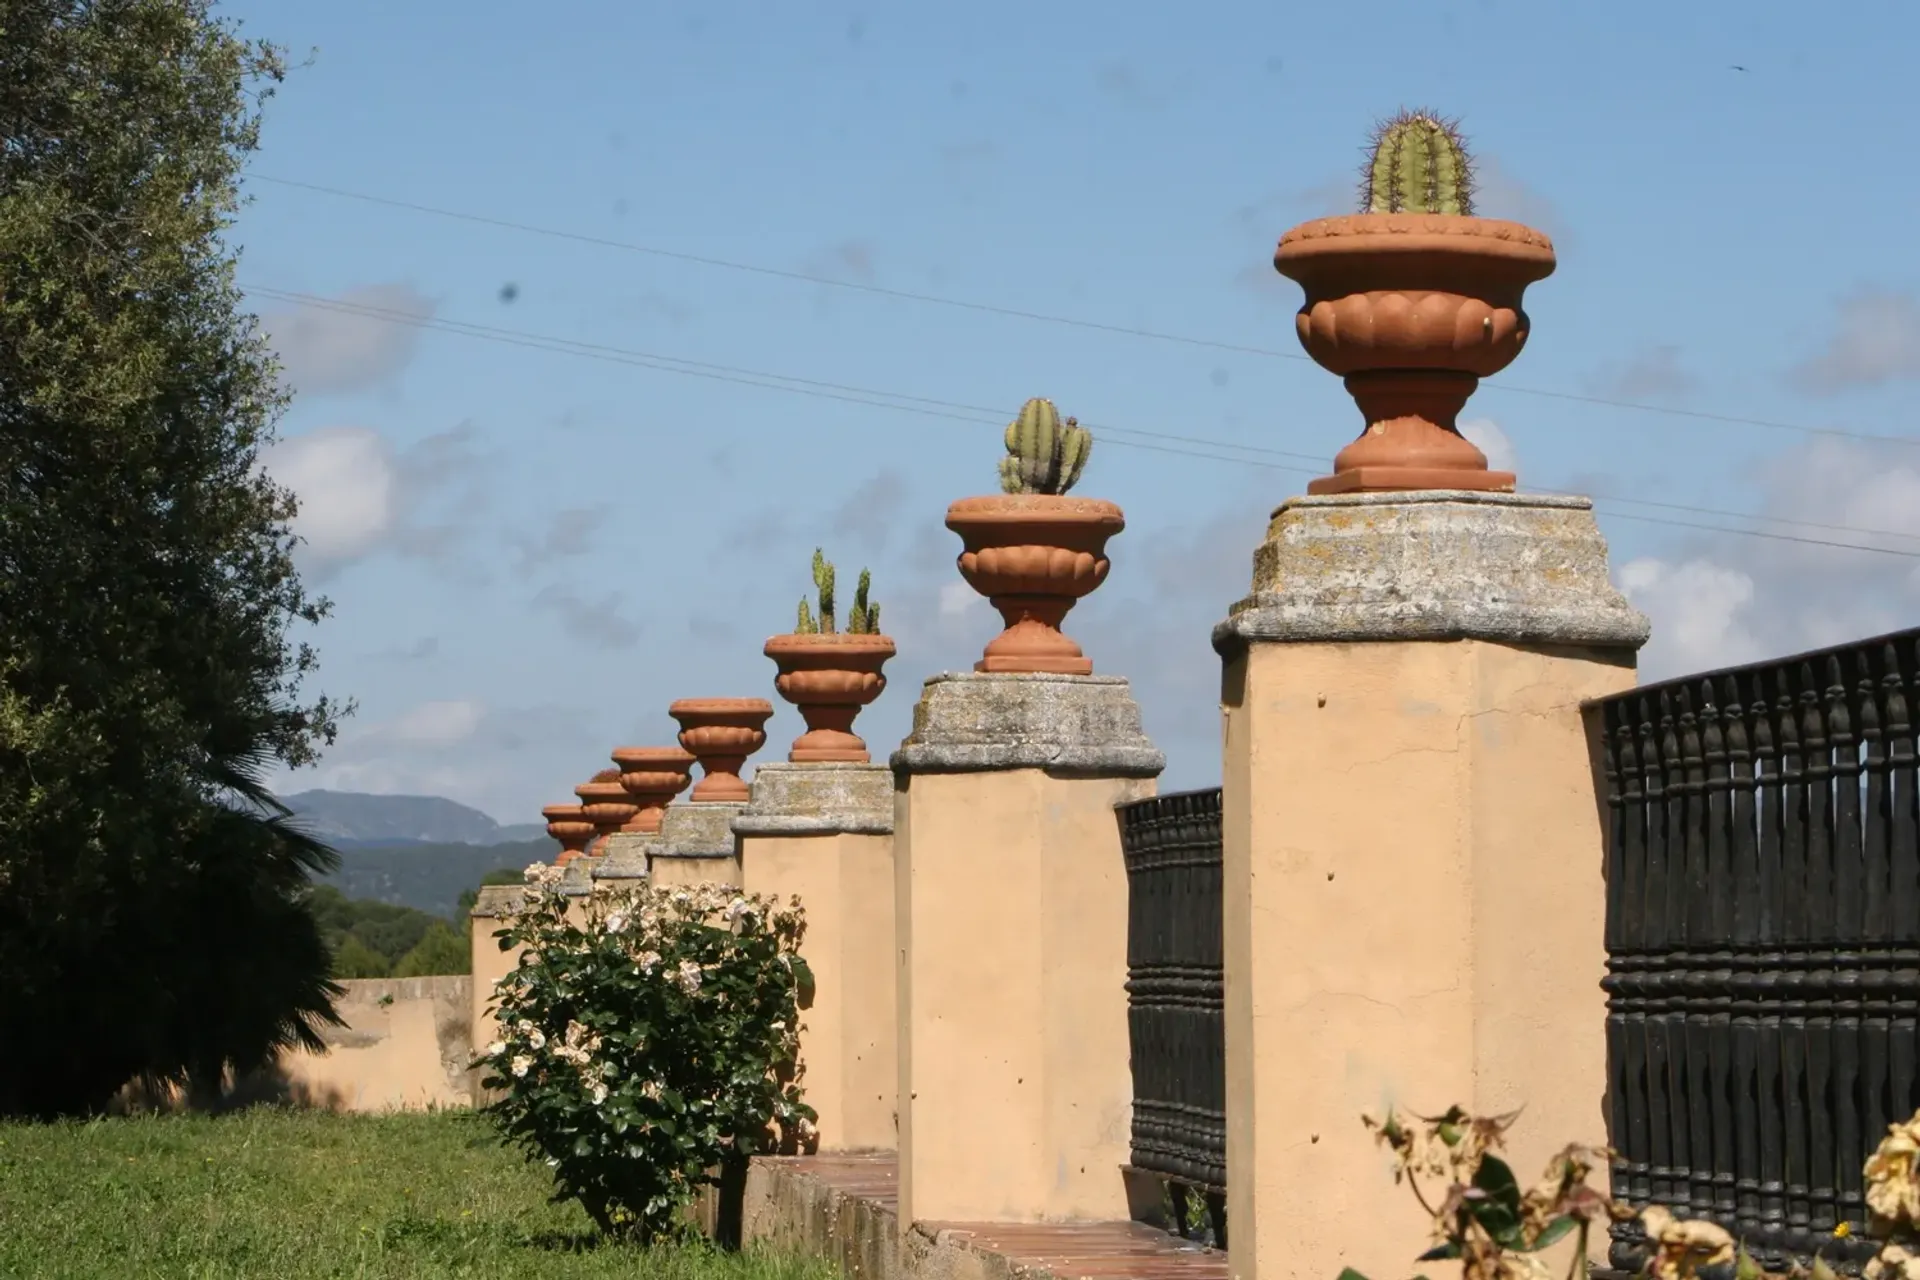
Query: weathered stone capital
<point>827,798</point>
<point>697,829</point>
<point>1512,568</point>
<point>498,901</point>
<point>626,856</point>
<point>971,722</point>
<point>576,878</point>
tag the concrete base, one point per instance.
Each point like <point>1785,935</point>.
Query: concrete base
<point>843,1210</point>
<point>1015,1092</point>
<point>824,833</point>
<point>1412,852</point>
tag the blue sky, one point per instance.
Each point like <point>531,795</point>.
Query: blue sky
<point>532,551</point>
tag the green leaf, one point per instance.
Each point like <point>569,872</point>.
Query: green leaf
<point>1744,1266</point>
<point>1553,1233</point>
<point>1348,1273</point>
<point>1440,1253</point>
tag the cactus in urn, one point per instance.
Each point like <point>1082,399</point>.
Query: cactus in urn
<point>1419,165</point>
<point>864,619</point>
<point>1044,454</point>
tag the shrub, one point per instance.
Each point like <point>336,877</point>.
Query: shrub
<point>1497,1231</point>
<point>647,1043</point>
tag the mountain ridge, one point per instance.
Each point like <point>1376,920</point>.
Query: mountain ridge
<point>359,819</point>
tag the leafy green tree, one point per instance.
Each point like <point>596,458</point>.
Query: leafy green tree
<point>439,951</point>
<point>353,958</point>
<point>151,921</point>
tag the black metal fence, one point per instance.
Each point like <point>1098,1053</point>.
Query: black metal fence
<point>1763,937</point>
<point>1175,1002</point>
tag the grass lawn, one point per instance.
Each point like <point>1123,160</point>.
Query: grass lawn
<point>286,1195</point>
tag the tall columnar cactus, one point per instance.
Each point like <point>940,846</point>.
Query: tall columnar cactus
<point>1419,165</point>
<point>1044,454</point>
<point>864,618</point>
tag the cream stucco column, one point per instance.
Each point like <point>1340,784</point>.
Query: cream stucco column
<point>1015,1083</point>
<point>824,833</point>
<point>696,845</point>
<point>493,907</point>
<point>1412,852</point>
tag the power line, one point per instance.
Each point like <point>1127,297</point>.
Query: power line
<point>982,415</point>
<point>907,295</point>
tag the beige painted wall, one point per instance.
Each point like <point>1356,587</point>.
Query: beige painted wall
<point>847,1043</point>
<point>1414,904</point>
<point>405,1047</point>
<point>1015,1084</point>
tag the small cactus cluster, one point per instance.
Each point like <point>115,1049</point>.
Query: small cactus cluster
<point>862,620</point>
<point>1419,165</point>
<point>1044,454</point>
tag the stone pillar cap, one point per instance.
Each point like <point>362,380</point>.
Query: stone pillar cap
<point>698,829</point>
<point>1512,568</point>
<point>974,721</point>
<point>818,798</point>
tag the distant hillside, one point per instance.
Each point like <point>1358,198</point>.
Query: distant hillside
<point>347,819</point>
<point>428,877</point>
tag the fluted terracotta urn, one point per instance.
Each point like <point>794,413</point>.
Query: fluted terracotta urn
<point>1412,310</point>
<point>721,733</point>
<point>605,803</point>
<point>829,678</point>
<point>568,824</point>
<point>1033,556</point>
<point>652,776</point>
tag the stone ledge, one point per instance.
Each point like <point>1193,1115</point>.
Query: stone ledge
<point>845,1209</point>
<point>1511,568</point>
<point>818,799</point>
<point>625,857</point>
<point>697,829</point>
<point>970,722</point>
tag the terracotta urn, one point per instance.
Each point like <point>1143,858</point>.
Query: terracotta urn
<point>652,776</point>
<point>1033,556</point>
<point>568,824</point>
<point>1412,309</point>
<point>829,677</point>
<point>605,803</point>
<point>721,733</point>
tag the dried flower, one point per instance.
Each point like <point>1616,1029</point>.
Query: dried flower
<point>1893,1191</point>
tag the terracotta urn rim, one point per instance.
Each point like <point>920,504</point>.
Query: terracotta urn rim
<point>705,708</point>
<point>650,756</point>
<point>1407,233</point>
<point>561,812</point>
<point>857,642</point>
<point>614,791</point>
<point>990,510</point>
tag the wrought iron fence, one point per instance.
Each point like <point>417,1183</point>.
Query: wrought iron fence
<point>1763,937</point>
<point>1175,1003</point>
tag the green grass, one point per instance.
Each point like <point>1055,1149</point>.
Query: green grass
<point>284,1195</point>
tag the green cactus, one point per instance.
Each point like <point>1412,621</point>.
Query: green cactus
<point>1044,454</point>
<point>864,619</point>
<point>823,583</point>
<point>1419,165</point>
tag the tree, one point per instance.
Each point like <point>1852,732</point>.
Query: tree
<point>440,950</point>
<point>150,919</point>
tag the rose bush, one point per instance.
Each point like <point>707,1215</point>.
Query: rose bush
<point>1497,1231</point>
<point>647,1042</point>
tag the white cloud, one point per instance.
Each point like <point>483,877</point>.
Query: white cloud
<point>436,724</point>
<point>369,340</point>
<point>958,599</point>
<point>1877,341</point>
<point>1737,599</point>
<point>1486,436</point>
<point>345,480</point>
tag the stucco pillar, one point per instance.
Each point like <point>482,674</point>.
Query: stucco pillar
<point>1413,852</point>
<point>1015,1083</point>
<point>824,833</point>
<point>696,844</point>
<point>493,906</point>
